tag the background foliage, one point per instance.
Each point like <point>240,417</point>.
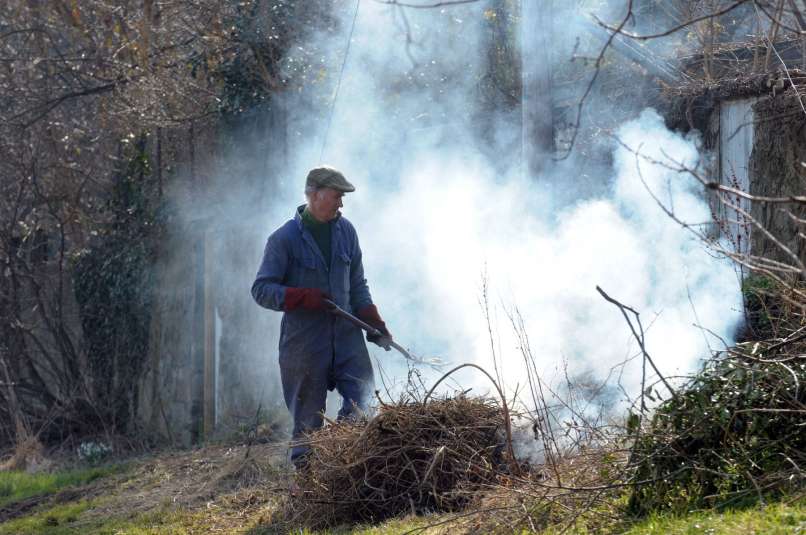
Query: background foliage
<point>102,108</point>
<point>735,433</point>
<point>114,284</point>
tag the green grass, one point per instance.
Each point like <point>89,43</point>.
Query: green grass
<point>161,522</point>
<point>787,516</point>
<point>66,519</point>
<point>395,526</point>
<point>55,521</point>
<point>17,486</point>
<point>780,518</point>
<point>774,519</point>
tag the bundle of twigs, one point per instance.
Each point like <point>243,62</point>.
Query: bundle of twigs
<point>411,457</point>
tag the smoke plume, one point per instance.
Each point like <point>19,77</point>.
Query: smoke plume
<point>445,215</point>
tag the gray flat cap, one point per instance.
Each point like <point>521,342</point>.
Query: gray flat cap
<point>328,177</point>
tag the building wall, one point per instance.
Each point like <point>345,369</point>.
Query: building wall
<point>760,147</point>
<point>211,365</point>
<point>736,128</point>
<point>777,169</point>
<point>170,379</point>
<point>247,341</point>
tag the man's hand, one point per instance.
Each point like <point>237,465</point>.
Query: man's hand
<point>369,314</point>
<point>306,298</point>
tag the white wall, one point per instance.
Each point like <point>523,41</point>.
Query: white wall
<point>735,146</point>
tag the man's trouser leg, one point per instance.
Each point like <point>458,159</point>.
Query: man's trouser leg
<point>356,384</point>
<point>305,391</point>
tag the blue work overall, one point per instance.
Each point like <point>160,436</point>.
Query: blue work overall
<point>318,351</point>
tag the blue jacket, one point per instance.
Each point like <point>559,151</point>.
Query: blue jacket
<point>292,258</point>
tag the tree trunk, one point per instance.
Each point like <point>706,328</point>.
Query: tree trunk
<point>538,121</point>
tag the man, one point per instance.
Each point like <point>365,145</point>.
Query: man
<point>310,260</point>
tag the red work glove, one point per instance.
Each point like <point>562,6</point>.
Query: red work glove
<point>369,314</point>
<point>307,298</point>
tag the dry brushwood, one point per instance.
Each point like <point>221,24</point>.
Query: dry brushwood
<point>411,457</point>
<point>28,455</point>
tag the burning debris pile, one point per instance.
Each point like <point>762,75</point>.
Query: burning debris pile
<point>411,457</point>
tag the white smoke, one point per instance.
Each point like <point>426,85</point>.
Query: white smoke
<point>435,217</point>
<point>429,242</point>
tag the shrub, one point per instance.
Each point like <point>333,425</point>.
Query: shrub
<point>733,433</point>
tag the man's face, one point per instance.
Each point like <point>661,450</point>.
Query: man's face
<point>325,203</point>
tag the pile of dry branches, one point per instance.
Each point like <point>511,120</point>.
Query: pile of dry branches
<point>412,456</point>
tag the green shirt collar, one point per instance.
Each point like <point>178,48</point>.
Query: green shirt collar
<point>309,220</point>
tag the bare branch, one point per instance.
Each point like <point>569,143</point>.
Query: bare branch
<point>638,335</point>
<point>645,37</point>
<point>426,6</point>
<point>592,81</point>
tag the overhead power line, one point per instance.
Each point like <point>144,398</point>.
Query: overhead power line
<point>338,82</point>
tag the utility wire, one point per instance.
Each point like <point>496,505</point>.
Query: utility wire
<point>338,83</point>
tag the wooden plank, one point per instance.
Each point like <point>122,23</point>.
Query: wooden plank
<point>736,130</point>
<point>209,339</point>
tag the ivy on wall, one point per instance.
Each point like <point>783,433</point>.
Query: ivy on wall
<point>114,287</point>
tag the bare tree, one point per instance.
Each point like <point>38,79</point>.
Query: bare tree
<point>99,104</point>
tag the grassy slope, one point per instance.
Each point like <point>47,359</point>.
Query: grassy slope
<point>786,517</point>
<point>17,486</point>
<point>55,520</point>
<point>166,510</point>
<point>70,519</point>
<point>194,491</point>
<point>773,519</point>
<point>780,518</point>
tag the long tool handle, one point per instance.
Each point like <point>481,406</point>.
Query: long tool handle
<point>337,310</point>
